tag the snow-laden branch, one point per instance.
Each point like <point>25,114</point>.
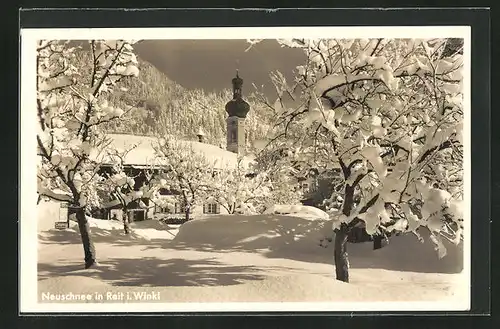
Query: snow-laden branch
<point>69,111</point>
<point>390,112</point>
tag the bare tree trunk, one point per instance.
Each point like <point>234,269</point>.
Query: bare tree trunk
<point>341,237</point>
<point>187,206</point>
<point>126,221</point>
<point>88,245</point>
<point>340,255</point>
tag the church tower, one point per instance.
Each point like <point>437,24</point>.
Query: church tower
<point>237,110</point>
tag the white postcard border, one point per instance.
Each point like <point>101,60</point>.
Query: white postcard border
<point>28,293</point>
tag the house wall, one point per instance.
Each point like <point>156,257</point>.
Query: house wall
<point>140,179</point>
<point>117,212</point>
<point>50,211</point>
<point>47,215</point>
<point>196,211</point>
<point>151,212</point>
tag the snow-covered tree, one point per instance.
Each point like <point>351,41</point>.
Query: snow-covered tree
<point>119,185</point>
<point>284,187</point>
<point>71,107</point>
<point>182,171</point>
<point>240,189</point>
<point>389,114</point>
<point>274,156</point>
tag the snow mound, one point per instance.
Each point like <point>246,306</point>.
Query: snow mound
<point>154,229</point>
<point>407,253</point>
<point>283,236</point>
<point>147,229</point>
<point>298,288</point>
<point>104,224</point>
<point>323,288</point>
<point>306,212</point>
<point>149,224</point>
<point>111,231</point>
<point>253,232</point>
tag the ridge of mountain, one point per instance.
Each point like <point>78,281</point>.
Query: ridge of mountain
<point>160,105</point>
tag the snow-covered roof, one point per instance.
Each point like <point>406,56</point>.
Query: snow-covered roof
<point>144,153</point>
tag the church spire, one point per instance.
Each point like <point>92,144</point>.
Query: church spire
<point>237,84</point>
<point>237,106</point>
<point>237,110</point>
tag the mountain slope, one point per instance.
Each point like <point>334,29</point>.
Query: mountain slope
<point>158,105</point>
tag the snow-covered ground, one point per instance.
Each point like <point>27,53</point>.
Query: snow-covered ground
<point>232,258</point>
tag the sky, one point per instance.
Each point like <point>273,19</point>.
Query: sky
<point>211,64</point>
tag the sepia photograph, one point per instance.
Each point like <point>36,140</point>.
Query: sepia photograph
<point>245,169</point>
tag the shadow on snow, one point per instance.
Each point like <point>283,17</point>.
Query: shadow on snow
<point>158,272</point>
<point>272,236</point>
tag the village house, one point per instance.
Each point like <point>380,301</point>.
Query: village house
<point>138,160</point>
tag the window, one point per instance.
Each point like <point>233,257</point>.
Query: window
<point>211,208</point>
<point>234,136</point>
<point>163,210</point>
<point>178,209</point>
<point>136,215</point>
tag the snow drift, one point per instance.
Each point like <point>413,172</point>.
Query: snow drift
<point>253,232</point>
<point>305,212</point>
<point>296,236</point>
<point>293,237</point>
<point>236,258</point>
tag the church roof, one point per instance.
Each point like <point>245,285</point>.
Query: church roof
<point>144,153</point>
<point>237,107</point>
